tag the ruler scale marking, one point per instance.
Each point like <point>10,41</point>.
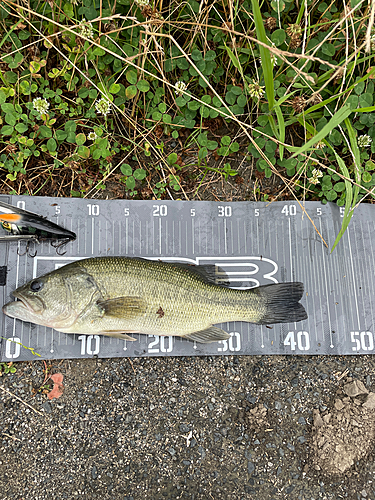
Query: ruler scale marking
<point>367,277</point>
<point>352,277</point>
<point>373,264</point>
<point>326,286</point>
<point>342,281</point>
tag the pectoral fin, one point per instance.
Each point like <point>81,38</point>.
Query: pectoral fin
<point>211,334</point>
<point>116,334</point>
<point>123,307</point>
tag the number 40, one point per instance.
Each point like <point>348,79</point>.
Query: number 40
<point>303,341</point>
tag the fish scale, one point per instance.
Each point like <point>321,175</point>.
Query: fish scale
<point>184,298</point>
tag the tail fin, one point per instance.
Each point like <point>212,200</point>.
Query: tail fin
<point>282,303</point>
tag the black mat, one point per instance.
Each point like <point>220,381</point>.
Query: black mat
<point>254,243</point>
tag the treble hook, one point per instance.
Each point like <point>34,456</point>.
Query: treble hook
<point>27,251</point>
<point>24,253</point>
<point>58,245</point>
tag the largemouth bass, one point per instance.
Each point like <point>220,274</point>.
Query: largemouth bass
<point>118,296</point>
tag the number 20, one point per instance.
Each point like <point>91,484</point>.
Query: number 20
<point>166,344</point>
<point>159,210</point>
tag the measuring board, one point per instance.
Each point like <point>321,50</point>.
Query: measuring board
<point>249,244</point>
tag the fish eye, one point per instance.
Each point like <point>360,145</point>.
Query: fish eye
<point>36,285</point>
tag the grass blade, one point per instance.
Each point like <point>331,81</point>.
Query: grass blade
<point>357,158</point>
<point>264,54</point>
<point>233,58</point>
<point>267,66</point>
<point>348,200</point>
<point>281,123</point>
<point>335,97</point>
<point>348,213</point>
<point>336,119</point>
<point>369,109</point>
<point>351,197</point>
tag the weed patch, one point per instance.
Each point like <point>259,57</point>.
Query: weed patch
<point>95,91</point>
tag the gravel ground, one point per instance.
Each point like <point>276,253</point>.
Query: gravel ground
<point>262,427</point>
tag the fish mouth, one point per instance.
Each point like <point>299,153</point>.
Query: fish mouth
<point>27,305</point>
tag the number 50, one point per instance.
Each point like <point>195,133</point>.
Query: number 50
<point>362,340</point>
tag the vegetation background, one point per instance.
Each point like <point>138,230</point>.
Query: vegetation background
<point>188,100</point>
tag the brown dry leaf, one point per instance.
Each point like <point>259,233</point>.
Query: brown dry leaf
<point>58,388</point>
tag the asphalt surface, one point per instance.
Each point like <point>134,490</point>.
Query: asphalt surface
<point>250,427</point>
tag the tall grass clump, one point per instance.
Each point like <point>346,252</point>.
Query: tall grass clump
<point>161,96</point>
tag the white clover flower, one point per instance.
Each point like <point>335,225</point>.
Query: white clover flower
<point>364,141</point>
<point>313,180</point>
<point>256,91</point>
<point>372,43</point>
<point>274,60</point>
<point>41,105</point>
<point>142,3</point>
<point>316,174</point>
<point>273,57</point>
<point>103,106</point>
<point>319,145</point>
<point>85,29</point>
<point>180,87</point>
<point>92,136</point>
<point>294,29</point>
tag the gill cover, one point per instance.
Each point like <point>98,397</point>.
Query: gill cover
<point>57,299</point>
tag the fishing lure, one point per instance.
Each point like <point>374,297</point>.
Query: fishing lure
<point>23,225</point>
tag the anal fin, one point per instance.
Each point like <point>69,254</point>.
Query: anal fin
<point>116,334</point>
<point>211,334</point>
